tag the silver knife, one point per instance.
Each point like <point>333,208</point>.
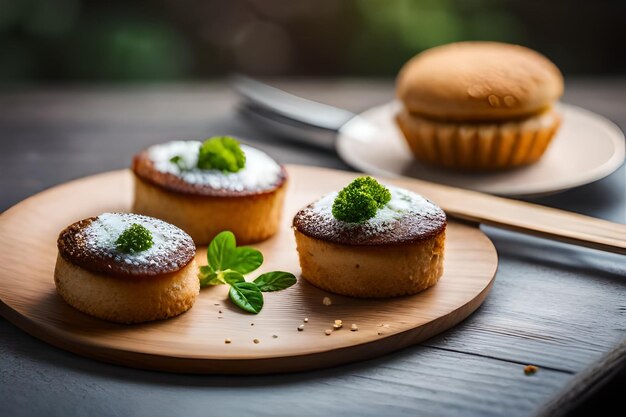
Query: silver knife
<point>288,116</point>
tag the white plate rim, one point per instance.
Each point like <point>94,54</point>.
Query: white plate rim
<point>353,129</point>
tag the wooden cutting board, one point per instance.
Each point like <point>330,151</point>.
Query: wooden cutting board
<point>195,341</point>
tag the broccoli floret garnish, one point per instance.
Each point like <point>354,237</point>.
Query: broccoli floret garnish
<point>223,153</point>
<point>134,239</point>
<point>360,200</point>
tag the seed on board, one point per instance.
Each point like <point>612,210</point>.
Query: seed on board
<point>274,336</point>
<point>354,328</point>
<point>227,340</point>
<point>306,319</point>
<point>251,324</point>
<point>338,324</point>
<point>301,327</point>
<point>219,311</point>
<point>327,301</point>
<point>530,369</point>
<point>256,341</point>
<point>328,332</point>
<point>216,304</point>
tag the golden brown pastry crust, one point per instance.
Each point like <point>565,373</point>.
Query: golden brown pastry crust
<point>479,146</point>
<point>474,81</point>
<point>121,300</point>
<point>252,218</point>
<point>371,271</point>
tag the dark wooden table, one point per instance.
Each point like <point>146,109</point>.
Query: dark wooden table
<point>558,307</point>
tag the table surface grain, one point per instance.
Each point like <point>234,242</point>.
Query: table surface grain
<point>556,306</point>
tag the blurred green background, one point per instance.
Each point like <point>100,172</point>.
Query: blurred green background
<point>159,40</point>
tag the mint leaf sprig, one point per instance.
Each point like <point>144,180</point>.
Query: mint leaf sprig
<point>179,161</point>
<point>228,263</point>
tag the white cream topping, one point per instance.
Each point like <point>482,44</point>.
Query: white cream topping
<point>403,202</point>
<point>102,233</point>
<point>259,173</point>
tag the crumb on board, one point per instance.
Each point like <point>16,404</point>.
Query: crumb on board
<point>354,328</point>
<point>301,327</point>
<point>227,340</point>
<point>274,336</point>
<point>530,369</point>
<point>256,341</point>
<point>219,311</point>
<point>327,301</point>
<point>328,332</point>
<point>306,320</point>
<point>338,324</point>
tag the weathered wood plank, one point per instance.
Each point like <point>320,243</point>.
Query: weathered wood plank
<point>587,383</point>
<point>561,312</point>
<point>416,381</point>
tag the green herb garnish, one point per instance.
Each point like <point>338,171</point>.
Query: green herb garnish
<point>360,200</point>
<point>179,161</point>
<point>246,296</point>
<point>136,238</point>
<point>223,153</point>
<point>228,263</point>
<point>275,281</point>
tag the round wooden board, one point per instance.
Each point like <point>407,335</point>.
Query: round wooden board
<point>194,341</point>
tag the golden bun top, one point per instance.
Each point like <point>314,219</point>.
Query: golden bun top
<point>473,81</point>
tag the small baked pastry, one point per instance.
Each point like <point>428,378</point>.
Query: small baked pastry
<point>479,105</point>
<point>126,268</point>
<point>205,188</point>
<point>371,241</point>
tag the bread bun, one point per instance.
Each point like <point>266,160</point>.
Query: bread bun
<point>478,81</point>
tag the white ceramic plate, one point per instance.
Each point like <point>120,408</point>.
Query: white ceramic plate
<point>587,147</point>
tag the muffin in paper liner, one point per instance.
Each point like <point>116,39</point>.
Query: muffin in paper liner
<point>478,146</point>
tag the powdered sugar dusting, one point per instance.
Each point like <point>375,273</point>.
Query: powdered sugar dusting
<point>168,242</point>
<point>406,217</point>
<point>259,173</point>
<point>403,202</point>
